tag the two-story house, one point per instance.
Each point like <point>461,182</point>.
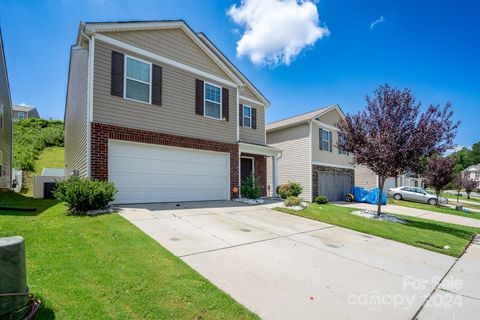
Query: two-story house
<point>21,112</point>
<point>473,173</point>
<point>160,111</point>
<point>5,124</point>
<point>310,155</point>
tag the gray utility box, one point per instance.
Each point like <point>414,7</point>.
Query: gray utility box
<point>13,276</point>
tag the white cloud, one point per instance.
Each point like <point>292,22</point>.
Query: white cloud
<point>374,23</point>
<point>276,31</point>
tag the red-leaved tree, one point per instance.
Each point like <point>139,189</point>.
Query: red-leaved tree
<point>469,185</point>
<point>439,173</point>
<point>391,135</point>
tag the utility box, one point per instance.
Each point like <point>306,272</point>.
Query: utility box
<point>13,276</point>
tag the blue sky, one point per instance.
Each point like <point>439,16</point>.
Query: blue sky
<point>431,47</point>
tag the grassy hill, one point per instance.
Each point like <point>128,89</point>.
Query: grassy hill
<point>50,157</point>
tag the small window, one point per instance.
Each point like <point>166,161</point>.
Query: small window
<point>247,116</point>
<point>137,80</point>
<point>213,101</point>
<point>340,150</point>
<point>326,140</point>
<point>21,115</point>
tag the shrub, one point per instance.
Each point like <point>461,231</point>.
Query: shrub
<point>292,201</point>
<point>321,200</point>
<point>289,189</point>
<point>82,194</point>
<point>250,187</point>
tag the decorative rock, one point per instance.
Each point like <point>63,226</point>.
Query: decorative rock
<point>373,215</point>
<point>13,277</point>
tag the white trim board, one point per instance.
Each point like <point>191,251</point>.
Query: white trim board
<point>332,165</point>
<point>326,126</point>
<point>252,100</point>
<point>163,59</point>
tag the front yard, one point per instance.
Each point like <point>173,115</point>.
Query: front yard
<point>427,234</point>
<point>105,268</point>
<point>439,209</point>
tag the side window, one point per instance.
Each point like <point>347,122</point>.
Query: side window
<point>21,115</point>
<point>138,80</point>
<point>325,140</point>
<point>340,150</point>
<point>212,101</point>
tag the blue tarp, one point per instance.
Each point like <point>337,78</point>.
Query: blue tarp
<point>363,195</point>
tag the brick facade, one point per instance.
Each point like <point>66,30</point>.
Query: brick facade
<point>100,133</point>
<point>260,169</point>
<point>316,169</point>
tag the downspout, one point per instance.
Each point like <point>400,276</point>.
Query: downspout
<point>91,44</point>
<point>238,138</point>
<point>310,169</point>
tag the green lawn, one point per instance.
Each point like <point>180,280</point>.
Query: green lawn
<point>51,157</point>
<point>452,196</point>
<point>105,268</point>
<point>427,234</point>
<point>440,209</point>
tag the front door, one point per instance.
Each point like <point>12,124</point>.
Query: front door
<point>246,168</point>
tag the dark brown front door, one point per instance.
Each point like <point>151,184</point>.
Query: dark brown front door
<point>246,168</point>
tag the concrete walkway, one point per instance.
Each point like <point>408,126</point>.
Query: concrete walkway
<point>282,266</point>
<point>458,294</point>
<point>413,212</point>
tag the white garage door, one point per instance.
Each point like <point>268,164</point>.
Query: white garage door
<point>150,173</point>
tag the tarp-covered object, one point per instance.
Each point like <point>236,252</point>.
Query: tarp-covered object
<point>372,197</point>
<point>363,195</point>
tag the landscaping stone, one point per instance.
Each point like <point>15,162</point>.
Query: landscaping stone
<point>373,215</point>
<point>250,201</point>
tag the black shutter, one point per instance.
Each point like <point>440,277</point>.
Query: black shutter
<point>330,139</point>
<point>199,97</point>
<point>321,138</point>
<point>116,88</point>
<point>254,118</point>
<point>157,85</point>
<point>240,115</point>
<point>225,111</point>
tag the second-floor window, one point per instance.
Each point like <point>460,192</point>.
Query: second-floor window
<point>325,140</point>
<point>477,175</point>
<point>138,80</point>
<point>21,115</point>
<point>247,116</point>
<point>213,101</point>
<point>340,150</point>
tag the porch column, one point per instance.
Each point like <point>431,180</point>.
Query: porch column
<point>274,176</point>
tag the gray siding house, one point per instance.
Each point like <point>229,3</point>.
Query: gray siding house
<point>5,124</point>
<point>156,108</point>
<point>310,155</point>
<point>24,112</point>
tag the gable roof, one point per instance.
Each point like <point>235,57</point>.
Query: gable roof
<point>22,108</point>
<point>475,167</point>
<point>198,38</point>
<point>302,118</point>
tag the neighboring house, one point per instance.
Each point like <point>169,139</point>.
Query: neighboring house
<point>367,179</point>
<point>160,111</point>
<point>24,112</point>
<point>473,173</point>
<point>5,124</point>
<point>310,155</point>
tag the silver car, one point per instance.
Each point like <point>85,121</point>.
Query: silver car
<point>414,194</point>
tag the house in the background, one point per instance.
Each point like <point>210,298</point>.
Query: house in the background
<point>5,124</point>
<point>24,112</point>
<point>310,155</point>
<point>366,178</point>
<point>473,173</point>
<point>157,109</point>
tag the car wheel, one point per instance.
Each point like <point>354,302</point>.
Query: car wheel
<point>432,202</point>
<point>397,196</point>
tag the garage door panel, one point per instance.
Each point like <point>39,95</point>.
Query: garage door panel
<point>153,173</point>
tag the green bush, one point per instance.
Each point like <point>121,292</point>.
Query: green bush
<point>321,200</point>
<point>250,187</point>
<point>292,201</point>
<point>289,189</point>
<point>82,194</point>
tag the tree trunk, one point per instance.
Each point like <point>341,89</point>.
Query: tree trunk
<point>437,192</point>
<point>458,195</point>
<point>468,195</point>
<point>381,183</point>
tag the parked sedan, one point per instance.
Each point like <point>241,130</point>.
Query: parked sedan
<point>415,194</point>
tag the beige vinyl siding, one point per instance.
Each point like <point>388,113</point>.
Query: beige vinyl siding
<point>294,165</point>
<point>173,44</point>
<point>250,135</point>
<point>365,177</point>
<point>325,156</point>
<point>331,117</point>
<point>6,130</point>
<point>246,92</point>
<point>76,113</point>
<point>176,115</point>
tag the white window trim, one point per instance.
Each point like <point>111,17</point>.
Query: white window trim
<point>205,99</point>
<point>125,77</point>
<point>243,115</point>
<point>327,141</point>
<point>23,113</point>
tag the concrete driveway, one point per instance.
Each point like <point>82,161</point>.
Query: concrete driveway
<point>286,267</point>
